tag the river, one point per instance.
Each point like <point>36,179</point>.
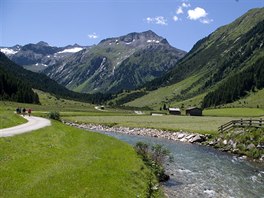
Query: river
<point>199,171</point>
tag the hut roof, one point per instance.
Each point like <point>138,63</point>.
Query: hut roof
<point>174,109</point>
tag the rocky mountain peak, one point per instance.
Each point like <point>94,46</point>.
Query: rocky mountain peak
<point>150,34</point>
<point>143,36</point>
<point>135,38</point>
<point>42,43</point>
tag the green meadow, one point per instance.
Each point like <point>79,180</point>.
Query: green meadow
<point>235,112</point>
<point>8,118</point>
<point>201,124</point>
<point>62,161</point>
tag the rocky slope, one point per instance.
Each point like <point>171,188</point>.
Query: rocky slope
<point>114,64</point>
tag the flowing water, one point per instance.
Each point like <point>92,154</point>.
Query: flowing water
<point>199,171</point>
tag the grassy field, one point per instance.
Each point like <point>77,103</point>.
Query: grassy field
<point>175,123</point>
<point>157,98</point>
<point>235,112</point>
<point>8,118</point>
<point>67,107</point>
<point>61,161</point>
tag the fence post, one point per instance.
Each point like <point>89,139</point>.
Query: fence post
<point>250,122</point>
<point>241,122</point>
<point>260,122</point>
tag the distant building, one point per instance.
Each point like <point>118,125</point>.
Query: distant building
<point>194,111</point>
<point>175,111</point>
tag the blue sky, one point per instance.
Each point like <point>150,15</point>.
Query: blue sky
<point>86,22</point>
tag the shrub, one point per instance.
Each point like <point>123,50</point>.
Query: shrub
<point>54,115</point>
<point>154,158</point>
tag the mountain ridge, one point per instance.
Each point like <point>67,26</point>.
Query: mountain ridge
<point>96,69</point>
<point>36,57</point>
<point>213,59</point>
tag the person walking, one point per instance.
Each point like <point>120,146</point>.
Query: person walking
<point>29,111</point>
<point>24,111</point>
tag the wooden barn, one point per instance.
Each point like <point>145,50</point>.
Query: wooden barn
<point>175,111</point>
<point>194,111</point>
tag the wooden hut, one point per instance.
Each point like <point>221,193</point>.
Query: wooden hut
<point>194,111</point>
<point>175,111</point>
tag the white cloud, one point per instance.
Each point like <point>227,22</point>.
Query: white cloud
<point>175,18</point>
<point>206,20</point>
<point>197,13</point>
<point>93,36</point>
<point>159,20</point>
<point>186,5</point>
<point>179,10</point>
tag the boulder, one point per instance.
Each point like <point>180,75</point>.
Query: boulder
<point>183,140</point>
<point>197,138</point>
<point>190,137</point>
<point>251,146</point>
<point>181,135</point>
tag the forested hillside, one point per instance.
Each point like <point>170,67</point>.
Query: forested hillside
<point>217,64</point>
<point>11,88</point>
<point>237,86</point>
<point>44,83</point>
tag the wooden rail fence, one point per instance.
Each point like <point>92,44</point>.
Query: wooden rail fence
<point>241,123</point>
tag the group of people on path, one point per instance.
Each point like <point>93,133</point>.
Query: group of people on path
<point>23,111</point>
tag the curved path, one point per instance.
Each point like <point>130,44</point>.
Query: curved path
<point>33,123</point>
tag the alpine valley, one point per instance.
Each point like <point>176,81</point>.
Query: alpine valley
<point>131,116</point>
<point>221,68</point>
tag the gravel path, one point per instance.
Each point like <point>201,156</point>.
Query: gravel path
<point>33,123</point>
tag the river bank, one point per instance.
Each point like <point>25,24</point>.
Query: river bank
<point>156,133</point>
<point>221,143</point>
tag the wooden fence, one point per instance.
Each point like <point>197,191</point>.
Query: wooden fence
<point>241,123</point>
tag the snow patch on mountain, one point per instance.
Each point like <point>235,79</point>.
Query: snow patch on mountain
<point>8,51</point>
<point>153,41</point>
<point>71,50</point>
<point>41,64</point>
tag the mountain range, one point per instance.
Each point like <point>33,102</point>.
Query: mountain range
<point>115,64</point>
<point>124,62</point>
<point>220,68</point>
<point>37,57</point>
